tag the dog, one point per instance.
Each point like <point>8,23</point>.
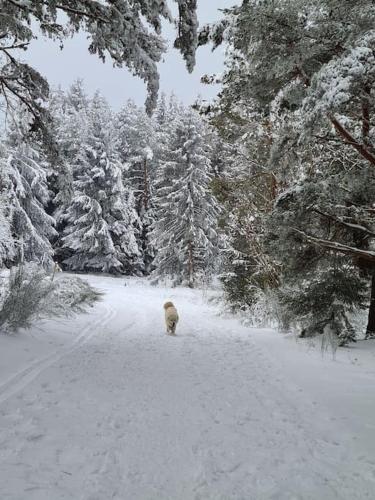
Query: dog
<point>171,318</point>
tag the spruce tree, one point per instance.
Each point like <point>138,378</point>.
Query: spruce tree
<point>7,240</point>
<point>70,130</point>
<point>136,150</point>
<point>185,233</point>
<point>100,230</point>
<point>26,169</point>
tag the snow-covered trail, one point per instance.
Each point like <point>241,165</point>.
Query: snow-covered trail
<point>118,410</point>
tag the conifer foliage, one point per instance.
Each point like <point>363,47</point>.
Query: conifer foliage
<point>125,193</point>
<point>127,32</point>
<point>99,231</point>
<point>300,83</point>
<point>136,146</point>
<point>185,232</point>
<point>26,195</point>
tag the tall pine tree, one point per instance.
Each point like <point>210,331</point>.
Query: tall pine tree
<point>185,233</point>
<point>136,150</point>
<point>100,230</point>
<point>26,170</point>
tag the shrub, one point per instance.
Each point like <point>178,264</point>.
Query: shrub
<point>29,294</point>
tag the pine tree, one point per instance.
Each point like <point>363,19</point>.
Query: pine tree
<point>100,232</point>
<point>319,290</point>
<point>246,187</point>
<point>70,130</point>
<point>26,170</point>
<point>136,150</point>
<point>7,242</point>
<point>185,233</point>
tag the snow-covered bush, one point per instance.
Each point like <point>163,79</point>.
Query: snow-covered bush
<point>23,296</point>
<point>29,293</point>
<point>72,295</point>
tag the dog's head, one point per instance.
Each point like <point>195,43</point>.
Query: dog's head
<point>168,304</point>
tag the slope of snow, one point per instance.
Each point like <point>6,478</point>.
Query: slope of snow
<point>106,406</point>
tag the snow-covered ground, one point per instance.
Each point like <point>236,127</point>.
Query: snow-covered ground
<point>106,406</point>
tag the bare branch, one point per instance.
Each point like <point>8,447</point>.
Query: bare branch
<point>64,8</point>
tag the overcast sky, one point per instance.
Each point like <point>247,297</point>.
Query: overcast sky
<point>62,67</point>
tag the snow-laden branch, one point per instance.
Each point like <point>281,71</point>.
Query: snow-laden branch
<point>345,134</point>
<point>368,255</point>
<point>349,225</point>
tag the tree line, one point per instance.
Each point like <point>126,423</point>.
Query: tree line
<point>120,193</point>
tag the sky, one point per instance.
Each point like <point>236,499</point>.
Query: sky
<point>62,67</point>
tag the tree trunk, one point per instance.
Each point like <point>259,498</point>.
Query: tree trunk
<point>370,331</point>
<point>191,264</point>
<point>146,189</point>
<point>366,116</point>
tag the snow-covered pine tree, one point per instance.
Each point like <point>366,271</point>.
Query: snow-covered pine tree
<point>246,188</point>
<point>101,218</point>
<point>186,228</point>
<point>70,129</point>
<point>161,113</point>
<point>165,118</point>
<point>320,290</point>
<point>26,169</point>
<point>136,150</point>
<point>7,243</point>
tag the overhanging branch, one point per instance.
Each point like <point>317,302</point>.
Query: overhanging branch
<point>349,225</point>
<point>337,247</point>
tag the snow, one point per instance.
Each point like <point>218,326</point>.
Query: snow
<point>106,406</point>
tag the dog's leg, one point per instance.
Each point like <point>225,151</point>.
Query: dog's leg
<point>171,328</point>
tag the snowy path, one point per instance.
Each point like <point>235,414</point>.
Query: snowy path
<point>117,410</point>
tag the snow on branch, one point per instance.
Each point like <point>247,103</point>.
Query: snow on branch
<point>127,32</point>
<point>187,39</point>
<point>349,225</point>
<point>337,247</point>
<point>337,81</point>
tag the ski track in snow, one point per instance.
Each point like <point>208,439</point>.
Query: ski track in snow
<point>24,377</point>
<point>125,412</point>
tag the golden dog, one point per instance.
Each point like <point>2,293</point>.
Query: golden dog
<point>171,318</point>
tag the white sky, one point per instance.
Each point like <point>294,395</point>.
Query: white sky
<point>62,67</point>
